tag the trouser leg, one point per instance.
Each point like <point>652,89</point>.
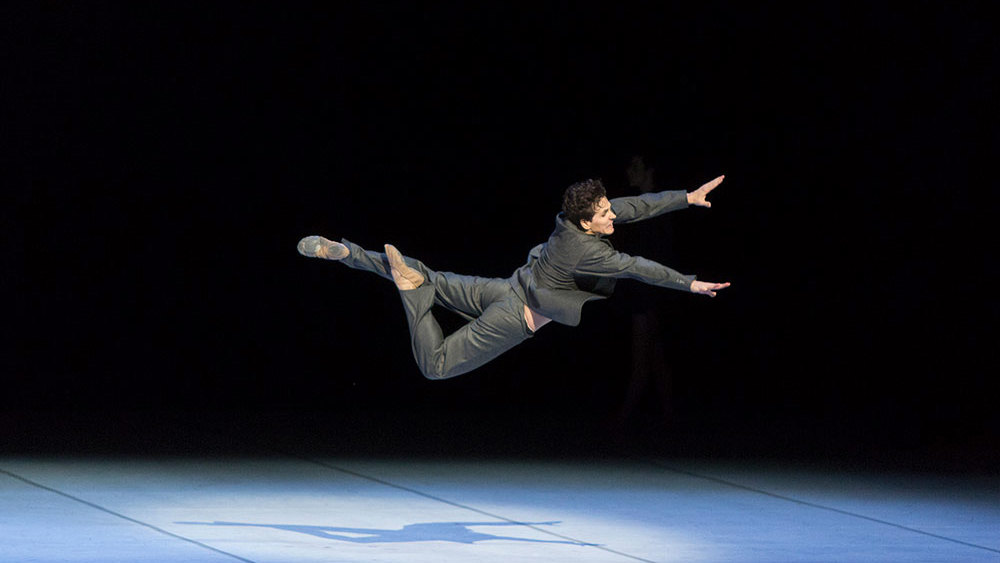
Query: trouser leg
<point>468,296</point>
<point>499,328</point>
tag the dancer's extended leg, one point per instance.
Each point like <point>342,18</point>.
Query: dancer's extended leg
<point>468,296</point>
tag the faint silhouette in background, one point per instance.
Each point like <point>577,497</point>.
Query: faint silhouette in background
<point>648,395</point>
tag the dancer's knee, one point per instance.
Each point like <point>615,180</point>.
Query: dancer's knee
<point>433,375</point>
<point>439,370</point>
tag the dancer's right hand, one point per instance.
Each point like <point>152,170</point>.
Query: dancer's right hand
<point>707,288</point>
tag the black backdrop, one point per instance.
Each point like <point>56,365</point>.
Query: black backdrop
<point>162,162</point>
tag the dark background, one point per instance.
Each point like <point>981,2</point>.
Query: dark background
<point>162,163</point>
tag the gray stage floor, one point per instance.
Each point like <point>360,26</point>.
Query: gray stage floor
<point>287,508</point>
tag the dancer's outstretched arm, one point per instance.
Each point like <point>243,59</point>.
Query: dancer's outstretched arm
<point>609,263</point>
<point>648,205</point>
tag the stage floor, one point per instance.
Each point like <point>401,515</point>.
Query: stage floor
<point>289,508</point>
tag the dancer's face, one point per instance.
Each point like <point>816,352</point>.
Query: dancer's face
<point>603,220</point>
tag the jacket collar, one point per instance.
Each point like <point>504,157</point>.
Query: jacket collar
<point>564,225</point>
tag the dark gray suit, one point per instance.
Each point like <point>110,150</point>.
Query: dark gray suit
<point>562,274</point>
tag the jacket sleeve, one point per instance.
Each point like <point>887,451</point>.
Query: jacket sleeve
<point>645,206</point>
<point>609,263</point>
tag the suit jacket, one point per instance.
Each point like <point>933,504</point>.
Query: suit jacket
<point>573,267</point>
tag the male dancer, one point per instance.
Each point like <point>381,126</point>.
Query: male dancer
<point>577,264</point>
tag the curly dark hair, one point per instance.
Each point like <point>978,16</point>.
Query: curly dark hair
<point>580,200</point>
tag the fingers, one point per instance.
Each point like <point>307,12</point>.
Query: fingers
<point>708,288</point>
<point>703,290</point>
<point>701,193</point>
<point>714,183</point>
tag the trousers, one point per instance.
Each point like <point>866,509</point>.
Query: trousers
<point>494,310</point>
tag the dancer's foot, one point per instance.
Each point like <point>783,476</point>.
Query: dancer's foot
<point>319,247</point>
<point>406,278</point>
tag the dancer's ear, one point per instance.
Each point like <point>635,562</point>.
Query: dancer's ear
<point>585,224</point>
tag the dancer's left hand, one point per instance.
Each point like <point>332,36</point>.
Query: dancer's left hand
<point>698,197</point>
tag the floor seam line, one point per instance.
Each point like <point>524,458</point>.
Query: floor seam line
<point>819,506</point>
<point>460,505</point>
<point>119,515</point>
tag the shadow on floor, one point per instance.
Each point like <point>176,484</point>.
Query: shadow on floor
<point>457,532</point>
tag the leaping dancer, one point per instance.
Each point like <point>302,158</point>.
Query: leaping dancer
<point>577,264</point>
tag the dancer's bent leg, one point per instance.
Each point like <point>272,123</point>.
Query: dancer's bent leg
<point>468,296</point>
<point>498,329</point>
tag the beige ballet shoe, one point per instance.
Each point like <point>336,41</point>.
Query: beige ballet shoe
<point>406,278</point>
<point>319,247</point>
